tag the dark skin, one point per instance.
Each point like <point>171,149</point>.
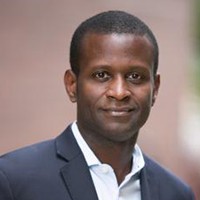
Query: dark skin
<point>114,91</point>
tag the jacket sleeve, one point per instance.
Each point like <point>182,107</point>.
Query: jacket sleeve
<point>5,190</point>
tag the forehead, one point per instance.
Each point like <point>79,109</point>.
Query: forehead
<point>118,47</point>
<point>99,39</point>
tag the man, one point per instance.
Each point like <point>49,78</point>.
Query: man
<point>114,81</point>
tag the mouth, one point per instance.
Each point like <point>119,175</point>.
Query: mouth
<point>119,112</point>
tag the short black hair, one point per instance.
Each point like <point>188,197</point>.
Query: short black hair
<point>109,22</point>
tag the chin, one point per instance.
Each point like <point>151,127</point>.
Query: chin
<point>120,133</point>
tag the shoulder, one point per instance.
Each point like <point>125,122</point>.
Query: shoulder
<point>28,172</point>
<point>20,167</point>
<point>43,156</point>
<point>167,181</point>
<point>27,155</point>
<point>35,153</point>
<point>29,150</point>
<point>161,172</point>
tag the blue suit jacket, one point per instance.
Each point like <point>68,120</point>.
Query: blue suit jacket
<point>56,170</point>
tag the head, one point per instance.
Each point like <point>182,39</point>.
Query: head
<point>110,22</point>
<point>113,77</point>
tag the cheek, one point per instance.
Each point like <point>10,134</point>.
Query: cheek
<point>144,96</point>
<point>88,95</point>
<point>145,103</point>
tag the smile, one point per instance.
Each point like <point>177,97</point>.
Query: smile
<point>118,112</point>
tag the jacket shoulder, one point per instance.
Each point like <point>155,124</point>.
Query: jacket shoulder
<point>168,182</point>
<point>27,157</point>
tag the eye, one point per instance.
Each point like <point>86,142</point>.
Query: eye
<point>134,76</point>
<point>101,75</point>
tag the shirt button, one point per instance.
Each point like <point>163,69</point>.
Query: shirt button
<point>104,169</point>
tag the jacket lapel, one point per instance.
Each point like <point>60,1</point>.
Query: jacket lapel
<point>149,183</point>
<point>75,173</point>
<point>77,177</point>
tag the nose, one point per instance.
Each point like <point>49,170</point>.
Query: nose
<point>118,89</point>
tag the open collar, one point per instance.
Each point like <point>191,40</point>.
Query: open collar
<point>75,173</point>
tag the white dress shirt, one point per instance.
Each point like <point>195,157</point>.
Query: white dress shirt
<point>103,175</point>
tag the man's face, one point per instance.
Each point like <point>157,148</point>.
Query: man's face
<point>115,88</point>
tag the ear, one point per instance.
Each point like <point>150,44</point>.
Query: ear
<point>70,81</point>
<point>156,88</point>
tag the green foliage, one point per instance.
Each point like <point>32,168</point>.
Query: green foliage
<point>195,78</point>
<point>197,23</point>
<point>196,70</point>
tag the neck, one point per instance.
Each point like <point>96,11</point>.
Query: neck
<point>119,157</point>
<point>117,154</point>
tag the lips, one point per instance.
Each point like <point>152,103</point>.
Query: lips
<point>119,111</point>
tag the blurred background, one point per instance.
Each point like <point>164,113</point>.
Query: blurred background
<point>34,47</point>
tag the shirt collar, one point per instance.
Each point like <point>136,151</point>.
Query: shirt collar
<point>91,159</point>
